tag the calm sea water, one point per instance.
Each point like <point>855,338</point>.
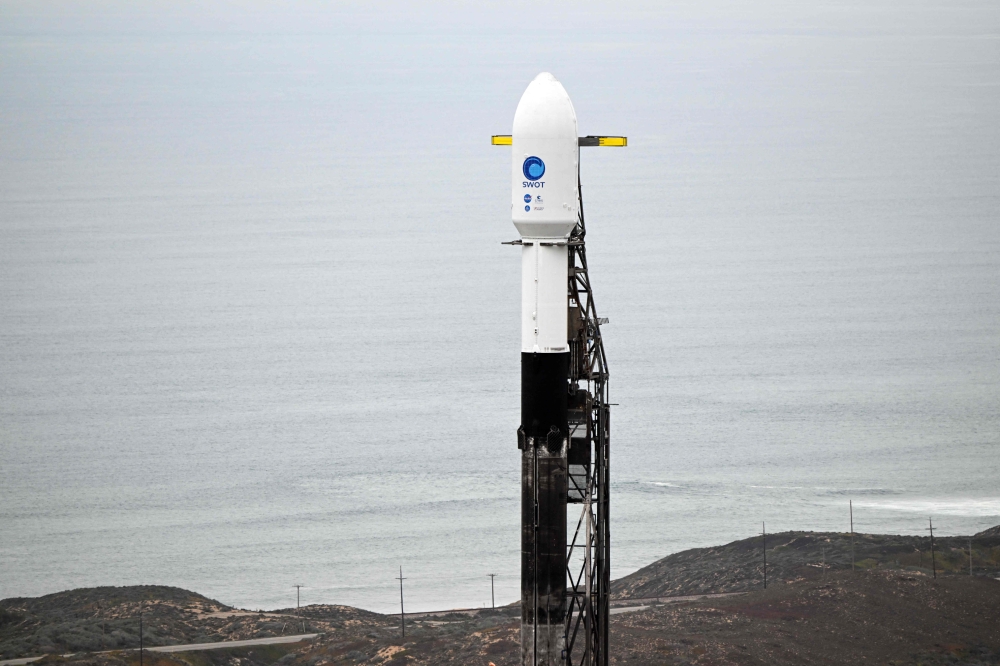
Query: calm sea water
<point>257,327</point>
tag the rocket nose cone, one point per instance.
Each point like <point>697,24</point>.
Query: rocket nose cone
<point>545,110</point>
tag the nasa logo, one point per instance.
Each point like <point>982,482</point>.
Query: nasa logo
<point>527,198</point>
<point>533,168</point>
<point>527,208</point>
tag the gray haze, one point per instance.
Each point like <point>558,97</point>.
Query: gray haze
<point>258,328</point>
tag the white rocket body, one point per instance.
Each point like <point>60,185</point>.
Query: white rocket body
<point>545,206</point>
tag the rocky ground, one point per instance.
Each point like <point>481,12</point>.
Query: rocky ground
<point>889,610</point>
<point>869,616</point>
<point>875,617</point>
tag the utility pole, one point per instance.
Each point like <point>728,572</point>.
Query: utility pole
<point>824,562</point>
<point>298,597</point>
<point>970,556</point>
<point>763,534</point>
<point>493,598</point>
<point>402,616</point>
<point>933,564</point>
<point>140,633</point>
<point>850,504</point>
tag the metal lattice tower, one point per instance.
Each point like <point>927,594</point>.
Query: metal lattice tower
<point>588,551</point>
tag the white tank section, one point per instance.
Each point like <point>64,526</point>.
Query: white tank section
<point>545,157</point>
<point>544,298</point>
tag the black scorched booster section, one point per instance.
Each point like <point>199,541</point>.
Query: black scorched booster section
<point>544,442</point>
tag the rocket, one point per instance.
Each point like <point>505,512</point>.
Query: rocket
<point>546,209</point>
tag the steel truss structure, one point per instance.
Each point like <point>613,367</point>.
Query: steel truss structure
<point>588,552</point>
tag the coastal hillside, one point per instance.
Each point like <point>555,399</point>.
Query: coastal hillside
<point>739,566</point>
<point>875,616</point>
<point>890,609</point>
<point>106,618</point>
<point>101,618</point>
<point>878,616</point>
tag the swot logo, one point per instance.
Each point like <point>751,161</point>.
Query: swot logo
<point>533,168</point>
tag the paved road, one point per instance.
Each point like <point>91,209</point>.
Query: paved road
<point>194,646</point>
<point>667,600</point>
<point>626,609</point>
<point>231,644</point>
<point>615,603</point>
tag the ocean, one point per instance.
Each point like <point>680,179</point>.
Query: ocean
<point>257,327</point>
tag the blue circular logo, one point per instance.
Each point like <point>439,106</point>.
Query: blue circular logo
<point>533,168</point>
<point>527,208</point>
<point>527,198</point>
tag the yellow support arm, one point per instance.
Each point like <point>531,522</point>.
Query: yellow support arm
<point>615,141</point>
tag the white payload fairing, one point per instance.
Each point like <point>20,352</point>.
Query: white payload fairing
<point>564,430</point>
<point>545,208</point>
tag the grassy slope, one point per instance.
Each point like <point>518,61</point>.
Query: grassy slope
<point>106,618</point>
<point>101,618</point>
<point>738,566</point>
<point>875,616</point>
